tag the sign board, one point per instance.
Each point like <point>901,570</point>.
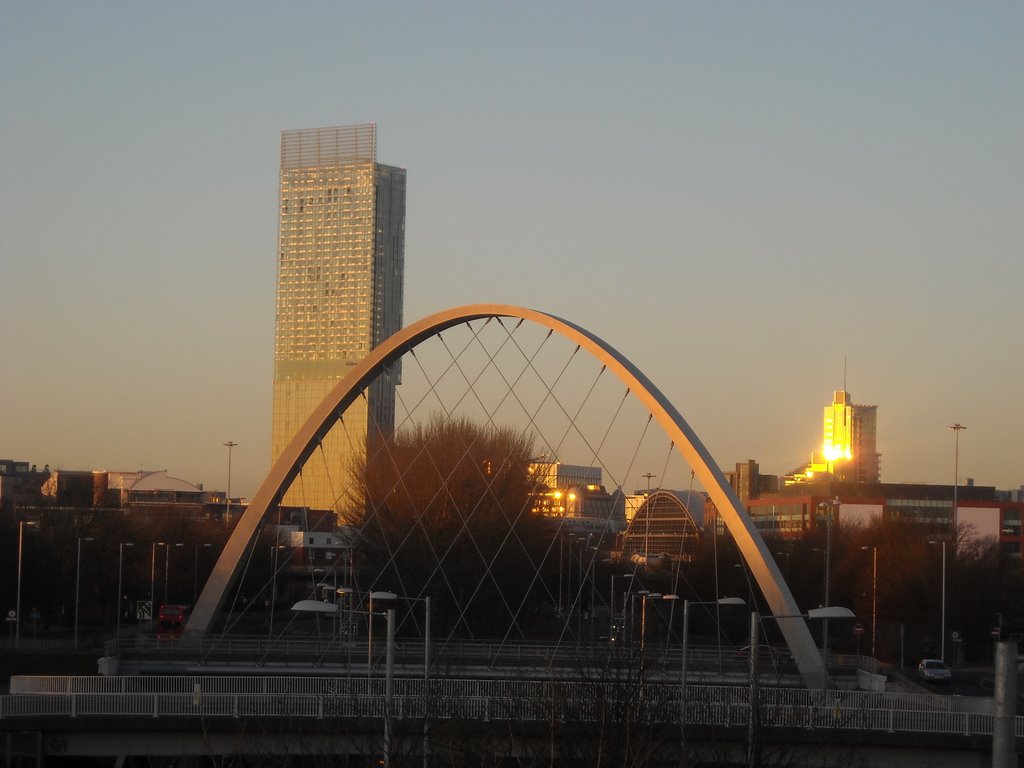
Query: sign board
<point>858,628</point>
<point>956,636</point>
<point>144,610</point>
<point>995,632</point>
<point>349,628</point>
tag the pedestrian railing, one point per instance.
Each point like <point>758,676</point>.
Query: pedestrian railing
<point>486,700</point>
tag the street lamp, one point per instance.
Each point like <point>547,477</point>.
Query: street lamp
<point>874,596</point>
<point>957,428</point>
<point>152,582</point>
<point>347,592</point>
<point>318,606</point>
<point>389,669</point>
<point>17,608</point>
<point>642,594</point>
<point>426,677</point>
<point>611,606</point>
<point>647,518</point>
<point>686,633</point>
<point>786,555</point>
<point>78,579</point>
<point>195,570</point>
<point>227,509</point>
<point>388,597</point>
<point>274,549</point>
<point>167,568</point>
<point>120,601</point>
<point>943,626</point>
<point>831,506</point>
<point>825,613</point>
<point>645,597</point>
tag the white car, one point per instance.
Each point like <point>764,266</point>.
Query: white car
<point>934,671</point>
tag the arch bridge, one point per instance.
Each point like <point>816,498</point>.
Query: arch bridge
<point>661,411</point>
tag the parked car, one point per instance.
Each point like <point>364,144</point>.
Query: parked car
<point>934,671</point>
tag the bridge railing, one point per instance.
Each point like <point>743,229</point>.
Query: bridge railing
<point>521,700</point>
<point>285,685</point>
<point>218,646</point>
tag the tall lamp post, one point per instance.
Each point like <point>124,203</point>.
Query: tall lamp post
<point>647,518</point>
<point>120,597</point>
<point>227,510</point>
<point>824,613</point>
<point>347,592</point>
<point>17,608</point>
<point>274,550</point>
<point>426,676</point>
<point>643,616</point>
<point>388,598</point>
<point>686,635</point>
<point>957,428</point>
<point>167,568</point>
<point>831,506</point>
<point>611,606</point>
<point>786,555</point>
<point>874,595</point>
<point>642,594</point>
<point>195,570</point>
<point>78,580</point>
<point>391,597</point>
<point>317,606</point>
<point>152,582</point>
<point>943,625</point>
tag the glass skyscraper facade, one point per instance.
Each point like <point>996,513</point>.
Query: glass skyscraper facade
<point>341,261</point>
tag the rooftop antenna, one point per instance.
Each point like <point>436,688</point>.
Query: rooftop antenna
<point>844,373</point>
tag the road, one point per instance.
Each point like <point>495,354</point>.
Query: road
<point>969,681</point>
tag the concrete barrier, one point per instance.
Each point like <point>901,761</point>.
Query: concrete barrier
<point>869,681</point>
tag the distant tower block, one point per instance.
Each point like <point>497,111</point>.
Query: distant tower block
<point>341,263</point>
<point>850,440</point>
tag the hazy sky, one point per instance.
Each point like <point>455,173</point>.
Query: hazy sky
<point>737,196</point>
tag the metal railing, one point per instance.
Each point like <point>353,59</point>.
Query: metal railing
<point>448,655</point>
<point>517,700</point>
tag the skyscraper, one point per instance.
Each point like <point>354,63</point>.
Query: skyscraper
<point>850,440</point>
<point>849,449</point>
<point>341,260</point>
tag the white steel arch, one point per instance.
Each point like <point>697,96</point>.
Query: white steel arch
<point>748,539</point>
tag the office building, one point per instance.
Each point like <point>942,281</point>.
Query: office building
<point>849,449</point>
<point>341,259</point>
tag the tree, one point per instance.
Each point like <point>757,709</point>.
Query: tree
<point>443,509</point>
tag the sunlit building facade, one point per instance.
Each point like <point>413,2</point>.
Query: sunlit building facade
<point>666,526</point>
<point>849,449</point>
<point>574,495</point>
<point>341,261</point>
<point>850,440</point>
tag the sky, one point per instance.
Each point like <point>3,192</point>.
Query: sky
<point>745,199</point>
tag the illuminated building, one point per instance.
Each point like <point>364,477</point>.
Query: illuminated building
<point>666,526</point>
<point>574,495</point>
<point>341,260</point>
<point>849,445</point>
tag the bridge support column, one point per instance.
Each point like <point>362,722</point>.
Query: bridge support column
<point>1003,745</point>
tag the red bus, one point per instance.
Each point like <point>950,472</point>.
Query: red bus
<point>171,620</point>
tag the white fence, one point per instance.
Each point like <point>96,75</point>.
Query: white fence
<point>524,700</point>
